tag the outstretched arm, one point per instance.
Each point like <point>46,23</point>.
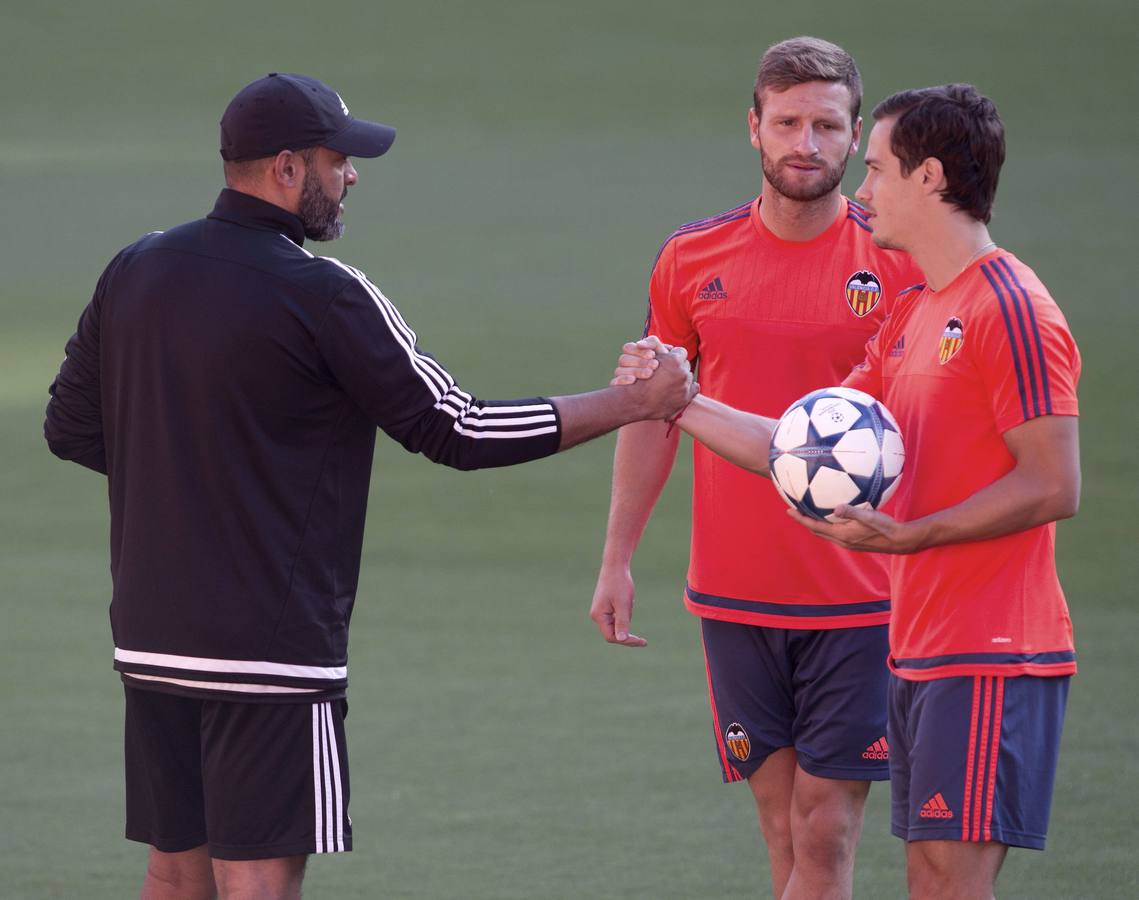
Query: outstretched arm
<point>742,438</point>
<point>374,357</point>
<point>586,416</point>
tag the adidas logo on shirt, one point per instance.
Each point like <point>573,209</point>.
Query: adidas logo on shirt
<point>899,348</point>
<point>936,808</point>
<point>713,290</point>
<point>878,750</point>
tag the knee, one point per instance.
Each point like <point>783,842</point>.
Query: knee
<point>278,877</point>
<point>828,841</point>
<point>927,876</point>
<point>776,828</point>
<point>187,875</point>
<point>827,837</point>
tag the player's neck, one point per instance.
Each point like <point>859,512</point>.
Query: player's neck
<point>944,253</point>
<point>798,220</point>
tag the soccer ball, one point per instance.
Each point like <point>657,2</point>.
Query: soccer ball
<point>836,445</point>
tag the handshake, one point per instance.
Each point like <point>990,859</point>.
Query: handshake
<point>659,373</point>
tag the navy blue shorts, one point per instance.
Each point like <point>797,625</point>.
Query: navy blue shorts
<point>822,692</point>
<point>250,780</point>
<point>973,758</point>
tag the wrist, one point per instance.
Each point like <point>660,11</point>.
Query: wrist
<point>919,534</point>
<point>619,560</point>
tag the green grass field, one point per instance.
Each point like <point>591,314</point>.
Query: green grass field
<point>499,748</point>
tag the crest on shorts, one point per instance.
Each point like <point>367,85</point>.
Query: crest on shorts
<point>738,741</point>
<point>863,291</point>
<point>951,340</point>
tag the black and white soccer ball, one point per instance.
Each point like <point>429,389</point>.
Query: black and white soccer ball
<point>836,445</point>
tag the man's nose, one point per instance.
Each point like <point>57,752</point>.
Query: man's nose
<point>805,142</point>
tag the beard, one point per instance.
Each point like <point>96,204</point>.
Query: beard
<point>319,213</point>
<point>829,178</point>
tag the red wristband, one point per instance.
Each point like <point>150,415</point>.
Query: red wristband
<point>672,422</point>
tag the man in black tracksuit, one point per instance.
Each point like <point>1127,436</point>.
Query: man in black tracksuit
<point>229,383</point>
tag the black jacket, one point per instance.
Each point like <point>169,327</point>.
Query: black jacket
<point>229,384</point>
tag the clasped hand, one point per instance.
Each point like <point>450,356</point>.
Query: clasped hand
<point>664,374</point>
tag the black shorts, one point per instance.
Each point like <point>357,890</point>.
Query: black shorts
<point>251,780</point>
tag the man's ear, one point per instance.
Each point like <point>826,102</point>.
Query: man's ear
<point>288,169</point>
<point>932,175</point>
<point>856,137</point>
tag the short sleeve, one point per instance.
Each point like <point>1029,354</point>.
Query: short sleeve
<point>867,375</point>
<point>668,317</point>
<point>1027,356</point>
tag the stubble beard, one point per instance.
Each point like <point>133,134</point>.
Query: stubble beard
<point>832,177</point>
<point>319,213</point>
<point>885,243</point>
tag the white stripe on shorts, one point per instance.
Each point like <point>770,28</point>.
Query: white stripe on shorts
<point>328,791</point>
<point>318,792</point>
<point>334,755</point>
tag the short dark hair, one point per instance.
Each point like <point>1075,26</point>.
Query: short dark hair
<point>803,59</point>
<point>958,126</point>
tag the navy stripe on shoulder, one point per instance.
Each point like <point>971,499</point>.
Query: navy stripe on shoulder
<point>861,223</point>
<point>1025,342</point>
<point>715,220</point>
<point>1011,338</point>
<point>1004,263</point>
<point>731,215</point>
<point>856,208</point>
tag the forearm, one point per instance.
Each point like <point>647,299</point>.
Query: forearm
<point>1017,502</point>
<point>464,433</point>
<point>73,424</point>
<point>586,416</point>
<point>641,465</point>
<point>1043,486</point>
<point>741,438</point>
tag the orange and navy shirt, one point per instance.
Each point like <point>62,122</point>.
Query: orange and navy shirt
<point>958,368</point>
<point>768,321</point>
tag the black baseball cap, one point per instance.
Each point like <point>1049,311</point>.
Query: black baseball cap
<point>293,112</point>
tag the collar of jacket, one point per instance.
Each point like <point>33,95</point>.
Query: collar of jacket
<point>252,212</point>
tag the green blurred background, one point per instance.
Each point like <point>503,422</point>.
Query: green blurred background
<point>499,748</point>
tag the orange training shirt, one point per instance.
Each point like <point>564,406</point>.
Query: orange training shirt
<point>958,368</point>
<point>768,321</point>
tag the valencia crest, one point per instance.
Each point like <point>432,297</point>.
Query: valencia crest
<point>738,741</point>
<point>863,291</point>
<point>951,340</point>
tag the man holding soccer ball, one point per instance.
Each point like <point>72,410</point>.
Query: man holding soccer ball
<point>775,297</point>
<point>980,370</point>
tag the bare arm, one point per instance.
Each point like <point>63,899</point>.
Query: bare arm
<point>1043,486</point>
<point>641,466</point>
<point>586,416</point>
<point>742,438</point>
